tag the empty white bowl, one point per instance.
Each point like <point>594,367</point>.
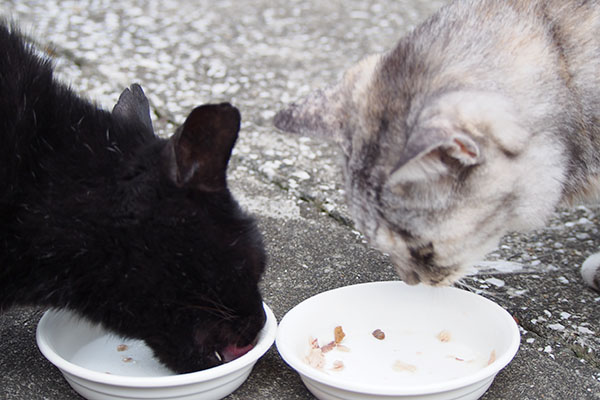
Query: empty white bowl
<point>440,343</point>
<point>102,366</point>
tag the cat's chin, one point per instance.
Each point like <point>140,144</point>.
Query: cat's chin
<point>443,277</point>
<point>410,278</point>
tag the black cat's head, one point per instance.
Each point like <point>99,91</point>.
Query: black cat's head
<point>189,283</point>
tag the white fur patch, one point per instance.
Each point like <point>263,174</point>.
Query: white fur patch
<point>590,270</point>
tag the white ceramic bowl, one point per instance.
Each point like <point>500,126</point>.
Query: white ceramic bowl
<point>102,366</point>
<point>440,343</point>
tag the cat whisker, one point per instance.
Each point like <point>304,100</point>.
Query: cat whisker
<point>461,284</point>
<point>225,314</point>
<point>495,296</point>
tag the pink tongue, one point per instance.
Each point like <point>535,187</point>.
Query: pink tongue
<point>232,352</point>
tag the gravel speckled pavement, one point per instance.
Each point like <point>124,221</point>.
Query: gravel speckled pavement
<point>259,55</point>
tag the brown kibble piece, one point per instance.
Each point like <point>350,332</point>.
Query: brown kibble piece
<point>378,334</point>
<point>338,334</point>
<point>444,336</point>
<point>122,347</point>
<point>127,359</point>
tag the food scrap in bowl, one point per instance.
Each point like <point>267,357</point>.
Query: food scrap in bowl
<point>316,353</point>
<point>338,334</point>
<point>492,357</point>
<point>338,365</point>
<point>444,336</point>
<point>400,366</point>
<point>324,357</point>
<point>378,334</point>
<point>315,357</point>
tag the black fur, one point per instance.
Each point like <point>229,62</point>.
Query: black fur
<point>100,216</point>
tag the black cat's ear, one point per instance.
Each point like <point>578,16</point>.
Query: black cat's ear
<point>198,153</point>
<point>133,107</point>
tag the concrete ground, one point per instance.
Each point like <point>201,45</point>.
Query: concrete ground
<point>259,55</point>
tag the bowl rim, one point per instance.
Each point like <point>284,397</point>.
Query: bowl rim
<point>340,383</point>
<point>267,335</point>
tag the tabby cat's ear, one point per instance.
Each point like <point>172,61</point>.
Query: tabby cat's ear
<point>325,112</point>
<point>429,151</point>
<point>318,115</point>
<point>456,145</point>
<point>452,131</point>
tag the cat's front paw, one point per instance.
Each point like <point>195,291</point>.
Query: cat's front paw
<point>590,271</point>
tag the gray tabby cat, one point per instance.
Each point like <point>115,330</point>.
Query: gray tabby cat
<point>479,122</point>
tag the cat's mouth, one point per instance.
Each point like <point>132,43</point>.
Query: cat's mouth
<point>409,277</point>
<point>427,274</point>
<point>232,352</point>
<point>235,344</point>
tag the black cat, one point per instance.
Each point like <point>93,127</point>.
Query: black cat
<point>100,216</point>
